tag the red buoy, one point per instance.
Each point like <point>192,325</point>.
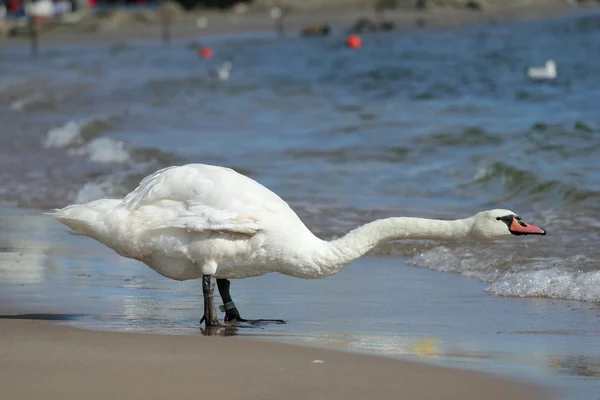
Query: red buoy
<point>206,52</point>
<point>354,42</point>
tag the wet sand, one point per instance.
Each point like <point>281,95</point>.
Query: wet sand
<point>43,360</point>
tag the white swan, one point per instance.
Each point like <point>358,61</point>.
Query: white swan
<point>193,221</point>
<point>546,72</point>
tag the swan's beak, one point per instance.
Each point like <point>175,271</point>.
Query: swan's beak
<point>519,227</point>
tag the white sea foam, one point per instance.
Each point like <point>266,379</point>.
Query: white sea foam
<point>557,283</point>
<point>103,150</point>
<point>444,260</point>
<point>542,277</point>
<point>114,185</point>
<point>67,135</point>
<point>75,134</point>
<point>93,191</point>
<point>107,150</point>
<point>27,101</point>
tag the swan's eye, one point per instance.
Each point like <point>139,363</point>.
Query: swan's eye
<point>507,219</point>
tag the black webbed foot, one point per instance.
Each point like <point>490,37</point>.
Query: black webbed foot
<point>232,315</point>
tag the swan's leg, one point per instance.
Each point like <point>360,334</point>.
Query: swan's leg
<point>208,289</point>
<point>231,312</point>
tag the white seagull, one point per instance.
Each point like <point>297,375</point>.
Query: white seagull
<point>546,72</point>
<point>223,72</point>
<point>203,221</point>
<point>39,8</point>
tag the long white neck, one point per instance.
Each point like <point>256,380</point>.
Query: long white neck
<point>327,258</point>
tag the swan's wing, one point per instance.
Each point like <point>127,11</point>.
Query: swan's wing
<point>200,218</point>
<point>164,184</point>
<point>203,198</point>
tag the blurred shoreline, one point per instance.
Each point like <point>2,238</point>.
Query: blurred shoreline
<point>121,25</point>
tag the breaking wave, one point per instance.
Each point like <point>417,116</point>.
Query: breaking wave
<point>103,150</point>
<point>82,138</point>
<point>570,278</point>
<point>509,182</point>
<point>77,133</point>
<point>557,283</point>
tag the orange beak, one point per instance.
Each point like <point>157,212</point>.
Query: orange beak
<point>518,227</point>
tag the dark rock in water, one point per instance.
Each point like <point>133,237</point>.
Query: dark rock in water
<point>16,31</point>
<point>421,4</point>
<point>364,25</point>
<point>387,26</point>
<point>473,5</point>
<point>316,30</point>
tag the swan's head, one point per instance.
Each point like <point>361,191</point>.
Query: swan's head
<point>494,224</point>
<point>551,65</point>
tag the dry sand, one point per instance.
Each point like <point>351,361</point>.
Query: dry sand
<point>42,360</point>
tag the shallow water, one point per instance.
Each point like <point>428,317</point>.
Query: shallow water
<point>438,123</point>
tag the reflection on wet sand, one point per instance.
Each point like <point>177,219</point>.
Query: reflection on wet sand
<point>22,255</point>
<point>575,365</point>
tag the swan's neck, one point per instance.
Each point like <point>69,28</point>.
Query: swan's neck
<point>330,257</point>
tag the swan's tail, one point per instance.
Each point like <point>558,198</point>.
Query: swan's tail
<point>87,219</point>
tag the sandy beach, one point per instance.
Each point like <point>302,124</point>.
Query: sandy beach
<point>337,16</point>
<point>42,360</point>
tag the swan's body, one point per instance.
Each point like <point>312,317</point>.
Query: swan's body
<point>200,220</point>
<point>546,72</point>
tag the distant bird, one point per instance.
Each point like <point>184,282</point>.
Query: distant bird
<point>547,72</point>
<point>203,221</point>
<point>223,72</point>
<point>201,22</point>
<point>275,12</point>
<point>40,8</point>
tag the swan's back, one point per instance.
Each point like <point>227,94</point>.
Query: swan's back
<point>213,186</point>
